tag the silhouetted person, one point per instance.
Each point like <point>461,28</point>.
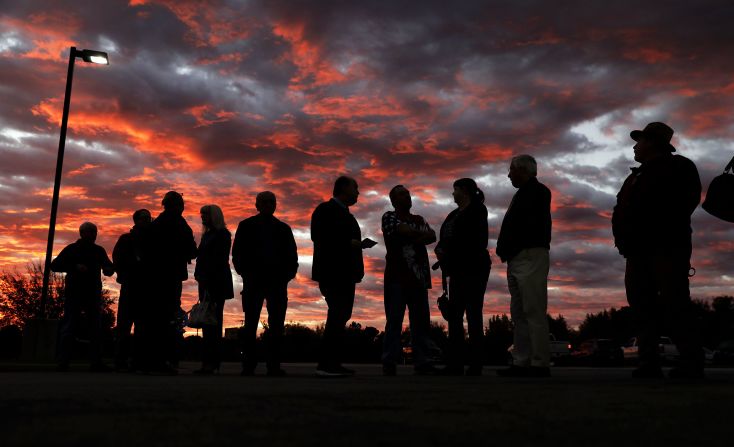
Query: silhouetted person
<point>337,266</point>
<point>407,280</point>
<point>171,248</point>
<point>132,275</point>
<point>215,281</point>
<point>652,229</point>
<point>464,259</point>
<point>524,244</point>
<point>82,262</point>
<point>266,256</point>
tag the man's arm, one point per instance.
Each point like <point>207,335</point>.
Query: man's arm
<point>238,248</point>
<point>108,269</point>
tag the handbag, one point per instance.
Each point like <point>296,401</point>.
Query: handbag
<point>203,313</point>
<point>719,200</point>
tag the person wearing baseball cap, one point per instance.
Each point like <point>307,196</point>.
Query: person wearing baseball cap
<point>651,223</point>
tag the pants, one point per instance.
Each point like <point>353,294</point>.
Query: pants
<point>339,298</point>
<point>127,316</point>
<point>397,297</point>
<point>527,279</point>
<point>159,331</point>
<point>466,295</point>
<point>659,296</point>
<point>275,294</point>
<point>73,308</point>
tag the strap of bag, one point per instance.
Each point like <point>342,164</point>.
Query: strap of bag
<point>729,166</point>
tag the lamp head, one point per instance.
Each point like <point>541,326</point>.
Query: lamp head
<point>95,57</point>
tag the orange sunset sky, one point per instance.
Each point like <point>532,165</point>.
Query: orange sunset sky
<point>222,99</point>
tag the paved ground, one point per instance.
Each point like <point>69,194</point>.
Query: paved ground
<point>578,406</point>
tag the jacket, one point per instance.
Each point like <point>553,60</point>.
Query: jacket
<point>654,206</point>
<point>527,222</point>
<point>334,258</point>
<point>264,247</point>
<point>212,264</point>
<point>83,285</point>
<point>463,241</point>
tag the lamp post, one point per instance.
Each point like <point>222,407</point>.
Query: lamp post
<point>96,57</point>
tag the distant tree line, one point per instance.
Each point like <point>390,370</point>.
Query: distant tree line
<point>19,303</point>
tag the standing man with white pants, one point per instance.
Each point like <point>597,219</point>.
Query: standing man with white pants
<point>524,243</point>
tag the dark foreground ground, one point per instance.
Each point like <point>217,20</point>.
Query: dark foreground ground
<point>577,406</point>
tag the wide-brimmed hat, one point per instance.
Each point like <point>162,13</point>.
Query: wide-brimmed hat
<point>658,132</point>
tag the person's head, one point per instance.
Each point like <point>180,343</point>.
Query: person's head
<point>400,198</point>
<point>522,168</point>
<point>173,202</point>
<point>142,217</point>
<point>346,190</point>
<point>266,203</point>
<point>466,191</point>
<point>212,218</point>
<point>88,232</point>
<point>652,141</point>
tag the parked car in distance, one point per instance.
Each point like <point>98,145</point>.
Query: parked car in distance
<point>598,352</point>
<point>668,351</point>
<point>560,351</point>
<point>724,353</point>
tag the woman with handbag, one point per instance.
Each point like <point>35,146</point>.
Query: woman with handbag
<point>215,282</point>
<point>464,259</point>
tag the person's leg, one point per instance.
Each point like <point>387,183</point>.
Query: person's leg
<point>521,331</point>
<point>123,327</point>
<point>457,307</point>
<point>394,313</point>
<point>277,304</point>
<point>642,296</point>
<point>253,296</point>
<point>419,316</point>
<point>475,322</point>
<point>534,290</point>
<point>672,279</point>
<point>340,301</point>
<point>69,321</point>
<point>93,310</point>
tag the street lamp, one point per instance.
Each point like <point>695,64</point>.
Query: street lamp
<point>95,57</point>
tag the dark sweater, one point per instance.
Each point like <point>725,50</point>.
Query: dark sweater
<point>463,240</point>
<point>527,223</point>
<point>212,264</point>
<point>334,258</point>
<point>88,284</point>
<point>264,247</point>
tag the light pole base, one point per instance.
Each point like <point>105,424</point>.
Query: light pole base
<point>39,341</point>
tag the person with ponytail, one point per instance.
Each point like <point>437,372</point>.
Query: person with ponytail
<point>464,260</point>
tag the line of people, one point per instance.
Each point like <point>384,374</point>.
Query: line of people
<point>651,225</point>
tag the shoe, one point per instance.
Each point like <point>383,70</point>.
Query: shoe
<point>331,371</point>
<point>389,370</point>
<point>99,368</point>
<point>647,372</point>
<point>425,370</point>
<point>122,367</point>
<point>247,371</point>
<point>205,371</point>
<point>276,372</point>
<point>62,367</point>
<point>474,371</point>
<point>514,371</point>
<point>686,372</point>
<point>345,371</point>
<point>166,370</point>
<point>451,371</point>
<point>539,371</point>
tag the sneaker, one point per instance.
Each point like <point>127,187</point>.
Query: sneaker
<point>330,371</point>
<point>345,371</point>
<point>166,370</point>
<point>514,371</point>
<point>247,371</point>
<point>389,369</point>
<point>62,367</point>
<point>539,371</point>
<point>683,372</point>
<point>647,372</point>
<point>205,371</point>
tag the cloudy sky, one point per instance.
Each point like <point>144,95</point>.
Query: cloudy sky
<point>222,99</point>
